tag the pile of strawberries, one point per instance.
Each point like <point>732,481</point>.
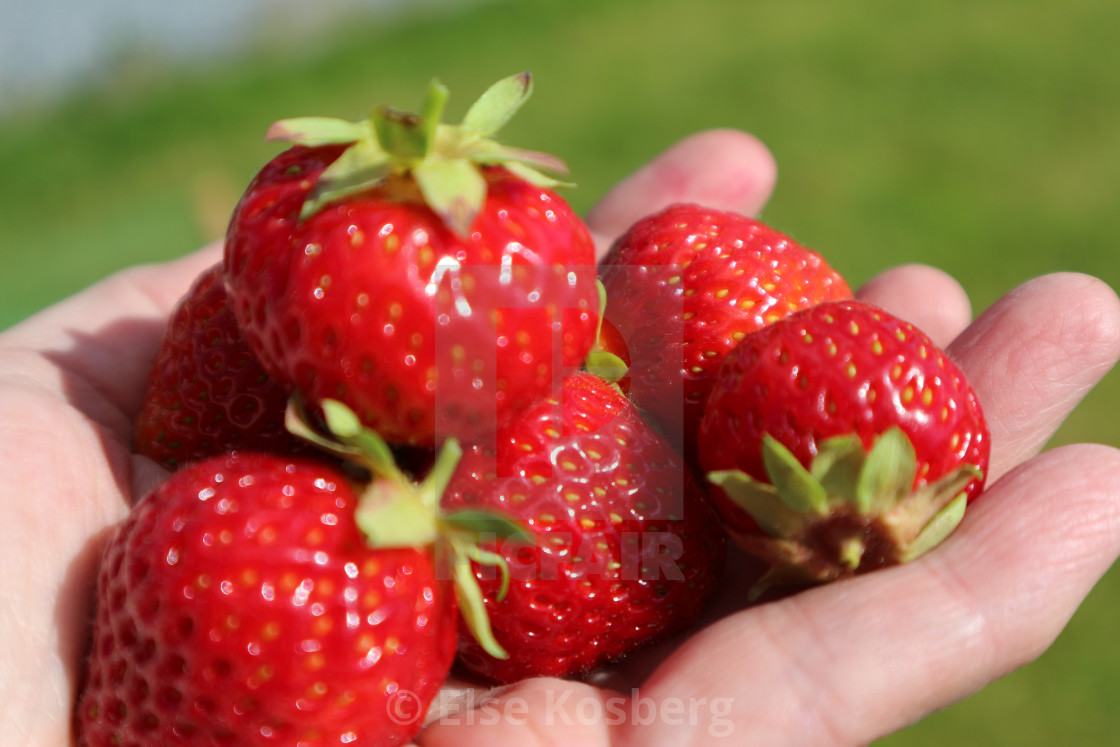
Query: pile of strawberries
<point>412,422</point>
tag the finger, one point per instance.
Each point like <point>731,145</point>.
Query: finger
<point>928,298</point>
<point>532,713</point>
<point>722,169</point>
<point>99,343</point>
<point>856,660</point>
<point>1034,355</point>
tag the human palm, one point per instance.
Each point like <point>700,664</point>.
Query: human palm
<point>841,664</point>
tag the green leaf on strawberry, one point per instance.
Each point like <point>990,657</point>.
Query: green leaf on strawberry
<point>394,512</point>
<point>606,357</point>
<point>443,159</point>
<point>849,512</point>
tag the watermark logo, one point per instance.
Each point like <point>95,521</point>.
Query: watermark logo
<point>568,708</point>
<point>405,707</point>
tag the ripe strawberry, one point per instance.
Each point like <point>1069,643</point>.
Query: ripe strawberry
<point>685,285</point>
<point>626,546</point>
<point>421,273</point>
<point>207,393</point>
<point>840,440</point>
<point>239,603</point>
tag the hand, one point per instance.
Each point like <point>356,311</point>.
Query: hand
<point>841,664</point>
<point>71,382</point>
<point>848,663</point>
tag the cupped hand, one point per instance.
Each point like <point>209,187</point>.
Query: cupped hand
<point>71,380</point>
<point>850,662</point>
<point>841,664</point>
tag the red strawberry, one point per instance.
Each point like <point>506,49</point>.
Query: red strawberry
<point>685,285</point>
<point>207,393</point>
<point>418,272</point>
<point>627,548</point>
<point>240,604</point>
<point>841,440</point>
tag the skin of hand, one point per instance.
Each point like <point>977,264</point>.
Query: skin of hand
<point>841,664</point>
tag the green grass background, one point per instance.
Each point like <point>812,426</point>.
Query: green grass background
<point>981,136</point>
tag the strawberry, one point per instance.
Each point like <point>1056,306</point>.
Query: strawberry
<point>626,547</point>
<point>207,393</point>
<point>840,440</point>
<point>240,603</point>
<point>421,273</point>
<point>685,285</point>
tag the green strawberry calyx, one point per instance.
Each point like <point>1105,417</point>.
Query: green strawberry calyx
<point>600,362</point>
<point>853,510</point>
<point>395,512</point>
<point>445,161</point>
<point>606,365</point>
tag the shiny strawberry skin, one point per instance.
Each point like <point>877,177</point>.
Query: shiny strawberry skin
<point>239,604</point>
<point>834,369</point>
<point>207,393</point>
<point>375,302</point>
<point>628,548</point>
<point>686,285</point>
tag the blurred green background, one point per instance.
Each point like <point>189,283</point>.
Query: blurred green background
<point>979,136</point>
